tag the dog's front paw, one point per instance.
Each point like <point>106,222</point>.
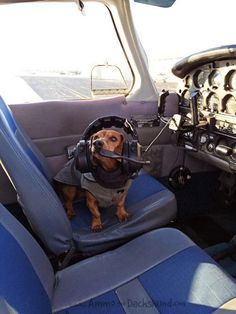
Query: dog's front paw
<point>96,225</point>
<point>122,215</point>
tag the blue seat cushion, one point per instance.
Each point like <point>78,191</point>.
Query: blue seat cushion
<point>159,272</point>
<point>149,204</point>
<point>142,187</point>
<point>169,290</point>
<point>189,282</point>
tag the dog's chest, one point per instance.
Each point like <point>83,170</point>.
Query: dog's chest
<point>105,196</point>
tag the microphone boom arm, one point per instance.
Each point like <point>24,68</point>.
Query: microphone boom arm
<point>109,154</point>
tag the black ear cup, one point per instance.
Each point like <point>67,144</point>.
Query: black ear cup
<point>81,156</point>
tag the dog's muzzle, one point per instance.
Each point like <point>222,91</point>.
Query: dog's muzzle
<point>98,144</point>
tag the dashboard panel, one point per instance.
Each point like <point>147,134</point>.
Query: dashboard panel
<point>216,86</point>
<point>207,103</point>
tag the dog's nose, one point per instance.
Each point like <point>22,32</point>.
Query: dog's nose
<point>98,144</point>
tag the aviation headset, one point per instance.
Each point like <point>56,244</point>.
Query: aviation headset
<point>130,162</point>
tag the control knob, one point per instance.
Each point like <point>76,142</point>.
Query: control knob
<point>211,147</point>
<point>203,138</point>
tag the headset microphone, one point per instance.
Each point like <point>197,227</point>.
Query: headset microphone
<point>112,155</point>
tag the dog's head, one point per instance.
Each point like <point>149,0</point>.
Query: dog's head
<point>109,140</point>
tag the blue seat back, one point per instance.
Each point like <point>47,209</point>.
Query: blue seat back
<point>27,278</point>
<point>26,143</point>
<point>40,203</point>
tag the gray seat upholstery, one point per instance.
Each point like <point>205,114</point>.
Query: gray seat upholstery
<point>162,271</point>
<point>32,151</point>
<point>151,204</point>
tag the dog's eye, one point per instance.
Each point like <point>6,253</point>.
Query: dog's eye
<point>113,139</point>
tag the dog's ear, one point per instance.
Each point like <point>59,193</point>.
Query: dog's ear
<point>119,148</point>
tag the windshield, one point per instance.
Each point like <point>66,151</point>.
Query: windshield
<point>169,34</point>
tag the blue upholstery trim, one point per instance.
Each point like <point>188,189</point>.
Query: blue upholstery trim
<point>135,300</point>
<point>107,303</point>
<point>5,308</point>
<point>19,284</point>
<point>189,282</point>
<point>143,186</point>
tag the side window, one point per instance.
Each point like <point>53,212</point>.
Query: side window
<point>53,51</point>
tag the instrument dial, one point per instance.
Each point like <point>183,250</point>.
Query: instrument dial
<point>200,78</point>
<point>215,79</point>
<point>230,105</point>
<point>230,80</point>
<point>188,81</point>
<point>213,103</point>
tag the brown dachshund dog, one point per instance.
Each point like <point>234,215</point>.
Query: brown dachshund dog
<point>110,140</point>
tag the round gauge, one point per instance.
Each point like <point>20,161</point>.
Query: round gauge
<point>215,79</point>
<point>185,98</point>
<point>200,78</point>
<point>230,105</point>
<point>230,80</point>
<point>188,81</point>
<point>213,103</point>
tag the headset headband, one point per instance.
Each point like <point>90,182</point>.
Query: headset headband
<point>108,122</point>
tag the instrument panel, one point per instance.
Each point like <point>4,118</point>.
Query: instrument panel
<point>209,85</point>
<point>216,86</point>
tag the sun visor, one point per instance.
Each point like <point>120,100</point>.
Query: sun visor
<point>158,3</point>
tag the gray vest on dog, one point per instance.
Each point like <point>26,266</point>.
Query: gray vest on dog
<point>68,174</point>
<point>106,197</point>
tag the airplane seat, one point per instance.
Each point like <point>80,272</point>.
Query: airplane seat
<point>162,271</point>
<point>30,148</point>
<point>151,204</point>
